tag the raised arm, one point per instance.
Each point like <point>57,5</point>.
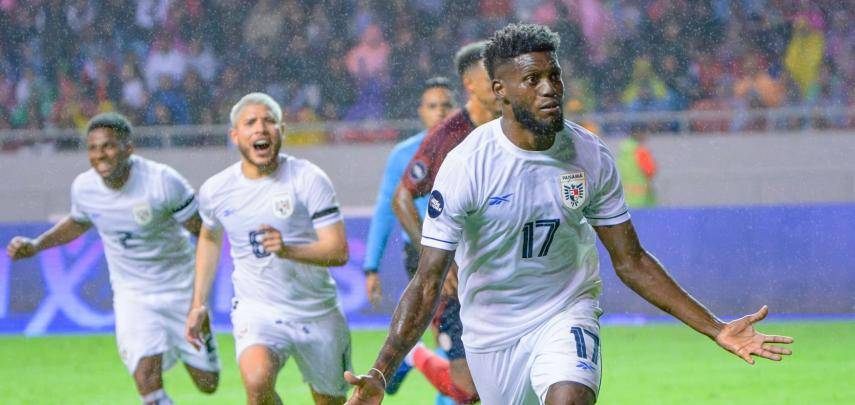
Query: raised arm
<point>66,230</point>
<point>407,213</point>
<point>329,250</point>
<point>641,272</point>
<point>207,257</point>
<point>411,318</point>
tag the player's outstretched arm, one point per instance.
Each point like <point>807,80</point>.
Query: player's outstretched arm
<point>409,322</point>
<point>207,256</point>
<point>641,272</point>
<point>66,230</point>
<point>329,250</point>
<point>407,213</point>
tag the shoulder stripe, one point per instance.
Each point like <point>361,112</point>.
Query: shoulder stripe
<point>185,204</point>
<point>325,213</point>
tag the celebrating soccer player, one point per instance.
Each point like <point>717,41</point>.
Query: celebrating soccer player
<point>142,211</point>
<point>285,227</point>
<point>519,205</point>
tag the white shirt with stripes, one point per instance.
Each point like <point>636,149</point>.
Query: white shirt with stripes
<point>297,199</point>
<point>521,224</point>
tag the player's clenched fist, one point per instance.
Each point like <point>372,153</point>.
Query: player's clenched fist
<point>272,240</point>
<point>21,248</point>
<point>194,328</point>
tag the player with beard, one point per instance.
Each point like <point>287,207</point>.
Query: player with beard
<point>519,205</point>
<point>450,377</point>
<point>285,228</point>
<point>144,213</point>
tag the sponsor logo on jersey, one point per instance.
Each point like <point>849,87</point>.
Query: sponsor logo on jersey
<point>418,171</point>
<point>498,200</point>
<point>283,205</point>
<point>435,204</point>
<point>574,189</point>
<point>142,214</point>
<point>585,366</point>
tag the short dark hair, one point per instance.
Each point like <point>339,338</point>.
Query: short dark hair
<point>515,40</point>
<point>469,56</point>
<point>437,82</point>
<point>112,120</point>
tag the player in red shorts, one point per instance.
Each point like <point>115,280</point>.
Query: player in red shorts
<point>450,377</point>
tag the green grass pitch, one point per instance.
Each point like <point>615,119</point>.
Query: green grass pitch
<point>652,364</point>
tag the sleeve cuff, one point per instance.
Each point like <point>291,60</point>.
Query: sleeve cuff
<point>609,220</point>
<point>438,243</point>
<point>186,210</point>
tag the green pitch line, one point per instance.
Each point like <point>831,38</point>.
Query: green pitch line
<point>655,364</point>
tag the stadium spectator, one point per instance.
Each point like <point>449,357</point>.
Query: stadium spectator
<point>134,97</point>
<point>687,42</point>
<point>71,109</point>
<point>169,105</point>
<point>201,58</point>
<point>755,87</point>
<point>804,55</point>
<point>164,60</point>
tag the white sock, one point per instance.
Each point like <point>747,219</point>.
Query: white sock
<point>158,397</point>
<point>410,359</point>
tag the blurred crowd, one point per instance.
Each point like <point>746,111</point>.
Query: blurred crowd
<point>187,61</point>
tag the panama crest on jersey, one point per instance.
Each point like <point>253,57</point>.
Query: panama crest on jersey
<point>574,189</point>
<point>142,213</point>
<point>283,205</point>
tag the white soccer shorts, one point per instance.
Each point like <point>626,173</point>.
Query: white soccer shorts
<point>150,324</point>
<point>320,346</point>
<point>564,348</point>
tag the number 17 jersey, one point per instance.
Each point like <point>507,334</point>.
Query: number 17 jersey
<point>521,224</point>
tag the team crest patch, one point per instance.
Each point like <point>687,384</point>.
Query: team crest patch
<point>283,205</point>
<point>574,189</point>
<point>435,204</point>
<point>142,214</point>
<point>418,171</point>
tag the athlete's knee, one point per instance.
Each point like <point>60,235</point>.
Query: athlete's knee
<point>570,393</point>
<point>258,367</point>
<point>208,382</point>
<point>257,380</point>
<point>147,375</point>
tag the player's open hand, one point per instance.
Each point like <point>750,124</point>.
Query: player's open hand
<point>21,248</point>
<point>740,338</point>
<point>196,325</point>
<point>368,390</point>
<point>373,289</point>
<point>272,240</point>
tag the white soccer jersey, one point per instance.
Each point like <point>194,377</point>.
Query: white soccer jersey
<point>521,224</point>
<point>147,249</point>
<point>295,200</point>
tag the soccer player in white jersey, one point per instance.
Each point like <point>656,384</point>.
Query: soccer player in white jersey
<point>285,227</point>
<point>519,205</point>
<point>143,211</point>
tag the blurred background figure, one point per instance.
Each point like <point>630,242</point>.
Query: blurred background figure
<point>637,168</point>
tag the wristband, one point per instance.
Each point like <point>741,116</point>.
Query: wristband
<point>382,377</point>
